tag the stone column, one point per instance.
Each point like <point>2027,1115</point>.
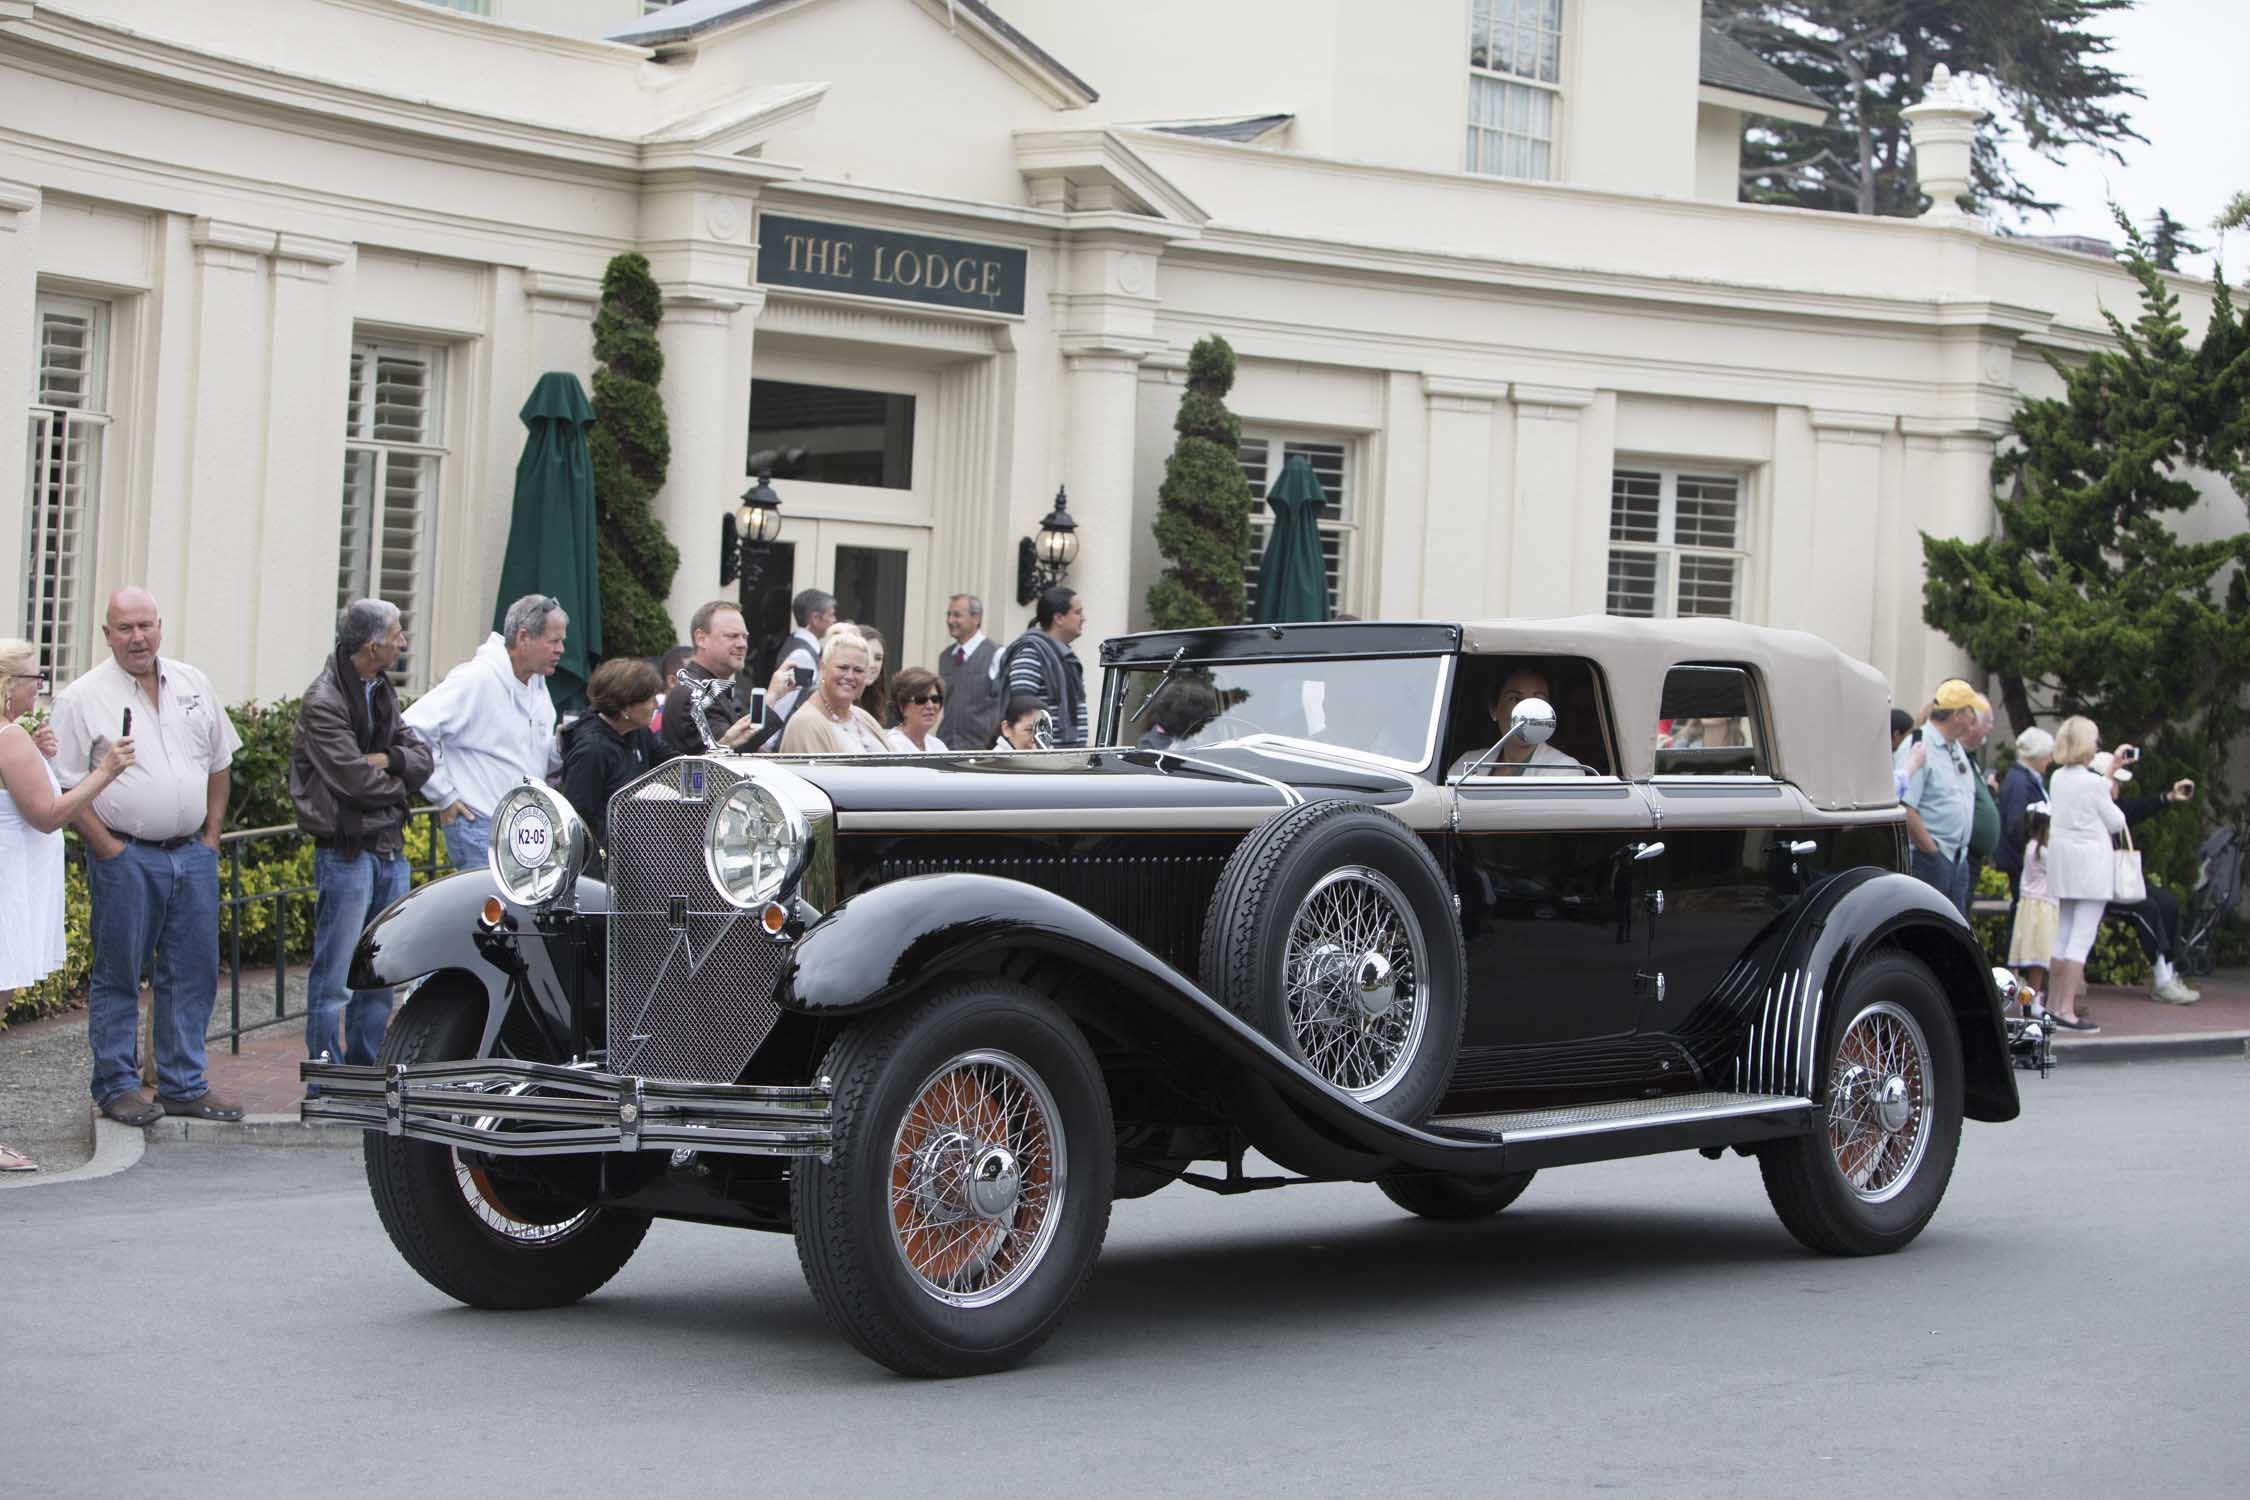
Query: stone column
<point>1546,483</point>
<point>1947,491</point>
<point>562,322</point>
<point>706,336</point>
<point>301,494</point>
<point>1833,586</point>
<point>19,294</point>
<point>1458,577</point>
<point>218,541</point>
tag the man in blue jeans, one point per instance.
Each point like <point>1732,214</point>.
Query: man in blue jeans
<point>351,768</point>
<point>1940,793</point>
<point>154,880</point>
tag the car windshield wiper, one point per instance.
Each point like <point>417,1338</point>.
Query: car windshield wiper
<point>1150,701</point>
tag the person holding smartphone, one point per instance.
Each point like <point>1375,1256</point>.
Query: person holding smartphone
<point>154,879</point>
<point>2155,919</point>
<point>722,643</point>
<point>814,610</point>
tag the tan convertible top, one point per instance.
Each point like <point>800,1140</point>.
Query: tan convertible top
<point>1830,712</point>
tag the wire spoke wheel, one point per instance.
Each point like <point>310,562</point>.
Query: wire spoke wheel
<point>491,1208</point>
<point>1879,1115</point>
<point>977,1178</point>
<point>1355,978</point>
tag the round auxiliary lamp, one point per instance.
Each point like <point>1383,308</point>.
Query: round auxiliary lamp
<point>539,845</point>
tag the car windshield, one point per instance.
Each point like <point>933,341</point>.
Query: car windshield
<point>1385,707</point>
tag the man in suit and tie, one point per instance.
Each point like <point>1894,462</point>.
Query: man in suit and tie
<point>970,670</point>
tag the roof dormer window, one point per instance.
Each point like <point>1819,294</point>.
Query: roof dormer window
<point>1515,86</point>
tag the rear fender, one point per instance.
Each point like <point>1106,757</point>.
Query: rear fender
<point>439,929</point>
<point>1836,927</point>
<point>892,941</point>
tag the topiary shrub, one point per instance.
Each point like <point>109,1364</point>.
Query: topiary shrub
<point>1203,507</point>
<point>630,448</point>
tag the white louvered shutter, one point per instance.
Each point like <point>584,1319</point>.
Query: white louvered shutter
<point>62,481</point>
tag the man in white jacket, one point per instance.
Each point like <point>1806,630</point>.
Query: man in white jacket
<point>491,724</point>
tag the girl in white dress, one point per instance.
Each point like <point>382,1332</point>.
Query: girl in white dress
<point>32,813</point>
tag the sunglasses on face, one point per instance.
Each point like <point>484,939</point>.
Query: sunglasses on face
<point>932,700</point>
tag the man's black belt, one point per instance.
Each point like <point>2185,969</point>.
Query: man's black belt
<point>181,842</point>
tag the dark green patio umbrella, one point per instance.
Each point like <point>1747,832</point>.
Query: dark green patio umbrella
<point>551,545</point>
<point>1292,583</point>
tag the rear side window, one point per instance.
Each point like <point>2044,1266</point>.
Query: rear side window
<point>1710,724</point>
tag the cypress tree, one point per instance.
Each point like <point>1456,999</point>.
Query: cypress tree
<point>631,447</point>
<point>1203,506</point>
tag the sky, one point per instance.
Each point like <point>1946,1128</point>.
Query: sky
<point>2188,57</point>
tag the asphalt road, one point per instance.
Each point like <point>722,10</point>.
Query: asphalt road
<point>232,1322</point>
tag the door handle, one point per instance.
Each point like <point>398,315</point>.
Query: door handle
<point>1647,851</point>
<point>1802,847</point>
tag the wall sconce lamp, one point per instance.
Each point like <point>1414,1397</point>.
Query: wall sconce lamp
<point>1041,562</point>
<point>744,535</point>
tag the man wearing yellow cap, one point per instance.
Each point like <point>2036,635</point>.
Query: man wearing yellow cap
<point>1940,793</point>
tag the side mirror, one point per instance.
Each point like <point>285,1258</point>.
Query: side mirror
<point>1533,722</point>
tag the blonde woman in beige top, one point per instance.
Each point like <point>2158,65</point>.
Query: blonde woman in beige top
<point>832,722</point>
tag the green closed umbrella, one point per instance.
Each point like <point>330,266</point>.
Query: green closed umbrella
<point>1292,583</point>
<point>551,543</point>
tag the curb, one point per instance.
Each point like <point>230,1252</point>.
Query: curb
<point>116,1148</point>
<point>2125,1049</point>
<point>279,1130</point>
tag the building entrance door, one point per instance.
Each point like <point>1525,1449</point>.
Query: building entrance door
<point>878,574</point>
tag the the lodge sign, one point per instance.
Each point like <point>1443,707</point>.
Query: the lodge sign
<point>887,263</point>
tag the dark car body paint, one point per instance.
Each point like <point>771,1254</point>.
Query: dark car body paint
<point>550,965</point>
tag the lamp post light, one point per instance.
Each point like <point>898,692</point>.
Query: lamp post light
<point>1041,562</point>
<point>745,534</point>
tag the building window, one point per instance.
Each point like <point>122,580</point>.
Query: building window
<point>69,422</point>
<point>1262,459</point>
<point>466,7</point>
<point>1515,77</point>
<point>1675,544</point>
<point>830,435</point>
<point>394,447</point>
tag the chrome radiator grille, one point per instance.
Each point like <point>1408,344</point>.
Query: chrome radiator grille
<point>694,1000</point>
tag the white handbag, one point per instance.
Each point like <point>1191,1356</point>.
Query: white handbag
<point>2127,884</point>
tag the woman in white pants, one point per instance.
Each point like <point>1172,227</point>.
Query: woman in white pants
<point>2083,818</point>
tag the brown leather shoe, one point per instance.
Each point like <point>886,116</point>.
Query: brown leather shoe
<point>132,1108</point>
<point>206,1107</point>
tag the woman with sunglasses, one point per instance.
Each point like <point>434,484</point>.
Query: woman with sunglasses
<point>920,700</point>
<point>33,810</point>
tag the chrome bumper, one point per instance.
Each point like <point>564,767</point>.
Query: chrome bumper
<point>506,1108</point>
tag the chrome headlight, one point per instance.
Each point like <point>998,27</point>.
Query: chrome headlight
<point>754,842</point>
<point>539,844</point>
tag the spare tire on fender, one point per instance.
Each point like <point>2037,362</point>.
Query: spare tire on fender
<point>1332,931</point>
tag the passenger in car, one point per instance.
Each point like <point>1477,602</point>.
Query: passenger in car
<point>1517,758</point>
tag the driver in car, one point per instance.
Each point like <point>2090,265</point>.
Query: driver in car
<point>1517,757</point>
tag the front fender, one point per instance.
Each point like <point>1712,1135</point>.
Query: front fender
<point>886,943</point>
<point>438,928</point>
<point>1835,927</point>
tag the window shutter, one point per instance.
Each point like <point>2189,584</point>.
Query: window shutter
<point>62,480</point>
<point>1262,461</point>
<point>392,457</point>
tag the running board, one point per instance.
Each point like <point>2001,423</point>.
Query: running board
<point>1631,1127</point>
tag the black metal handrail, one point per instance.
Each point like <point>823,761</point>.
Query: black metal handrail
<point>232,903</point>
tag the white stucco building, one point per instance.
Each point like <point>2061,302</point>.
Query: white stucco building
<point>276,275</point>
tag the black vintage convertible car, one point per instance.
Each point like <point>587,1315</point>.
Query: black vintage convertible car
<point>1429,906</point>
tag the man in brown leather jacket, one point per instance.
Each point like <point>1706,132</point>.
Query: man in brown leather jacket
<point>351,770</point>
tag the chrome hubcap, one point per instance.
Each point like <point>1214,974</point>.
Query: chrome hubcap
<point>977,1179</point>
<point>1353,976</point>
<point>1879,1117</point>
<point>492,1211</point>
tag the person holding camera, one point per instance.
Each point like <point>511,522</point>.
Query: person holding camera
<point>2155,919</point>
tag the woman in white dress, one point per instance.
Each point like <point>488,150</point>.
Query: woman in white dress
<point>2083,817</point>
<point>32,815</point>
<point>919,699</point>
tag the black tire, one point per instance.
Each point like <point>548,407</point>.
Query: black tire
<point>1890,996</point>
<point>1436,1195</point>
<point>429,1196</point>
<point>924,1093</point>
<point>1247,933</point>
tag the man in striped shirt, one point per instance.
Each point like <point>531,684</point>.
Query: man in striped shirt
<point>1039,662</point>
